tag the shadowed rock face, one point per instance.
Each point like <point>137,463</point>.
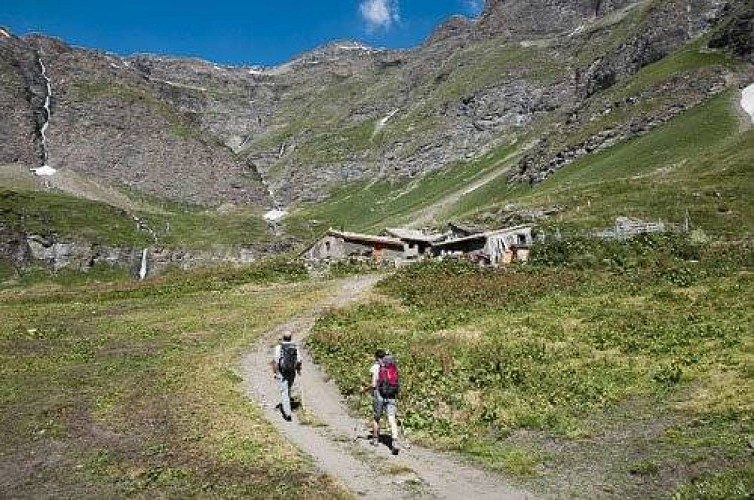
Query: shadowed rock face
<point>737,35</point>
<point>21,100</point>
<point>194,131</point>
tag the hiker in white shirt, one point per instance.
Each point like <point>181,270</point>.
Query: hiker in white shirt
<point>286,364</point>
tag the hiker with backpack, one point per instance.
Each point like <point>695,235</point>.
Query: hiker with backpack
<point>286,364</point>
<point>385,386</point>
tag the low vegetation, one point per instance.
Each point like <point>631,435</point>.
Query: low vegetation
<point>630,360</point>
<point>98,89</point>
<point>131,389</point>
<point>69,218</point>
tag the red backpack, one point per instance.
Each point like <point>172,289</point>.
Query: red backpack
<point>387,378</point>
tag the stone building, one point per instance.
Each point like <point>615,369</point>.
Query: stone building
<point>342,245</point>
<point>400,246</point>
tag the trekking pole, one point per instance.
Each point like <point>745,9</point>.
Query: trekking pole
<point>301,392</point>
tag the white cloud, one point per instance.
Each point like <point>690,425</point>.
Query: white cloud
<point>379,13</point>
<point>474,7</point>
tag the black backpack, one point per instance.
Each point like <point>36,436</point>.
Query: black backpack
<point>288,359</point>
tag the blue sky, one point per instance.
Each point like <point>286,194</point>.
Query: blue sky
<point>231,31</point>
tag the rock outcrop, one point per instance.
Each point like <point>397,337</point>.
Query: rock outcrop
<point>522,20</point>
<point>22,250</point>
<point>737,34</point>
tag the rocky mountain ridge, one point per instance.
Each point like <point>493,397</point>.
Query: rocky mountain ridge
<point>206,134</point>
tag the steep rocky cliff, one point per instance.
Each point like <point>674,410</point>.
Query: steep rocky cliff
<point>737,34</point>
<point>540,18</point>
<point>21,100</point>
<point>111,123</point>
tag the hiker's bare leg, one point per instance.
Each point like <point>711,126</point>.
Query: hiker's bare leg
<point>391,411</point>
<point>393,426</point>
<point>285,395</point>
<point>377,409</point>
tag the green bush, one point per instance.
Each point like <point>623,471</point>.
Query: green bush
<point>592,253</point>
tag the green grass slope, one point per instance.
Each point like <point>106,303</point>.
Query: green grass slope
<point>121,390</point>
<point>698,163</point>
<point>32,211</point>
<point>375,205</point>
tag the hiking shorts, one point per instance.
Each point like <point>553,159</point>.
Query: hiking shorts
<point>381,405</point>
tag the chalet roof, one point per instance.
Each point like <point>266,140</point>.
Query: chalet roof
<point>512,229</point>
<point>481,236</point>
<point>413,235</point>
<point>465,229</point>
<point>367,238</point>
<point>463,239</point>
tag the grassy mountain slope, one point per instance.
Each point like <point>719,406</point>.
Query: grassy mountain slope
<point>696,162</point>
<point>71,218</point>
<point>700,163</point>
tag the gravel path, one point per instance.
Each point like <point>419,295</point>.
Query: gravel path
<point>368,471</point>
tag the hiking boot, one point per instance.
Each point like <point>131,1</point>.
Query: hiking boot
<point>287,418</point>
<point>394,448</point>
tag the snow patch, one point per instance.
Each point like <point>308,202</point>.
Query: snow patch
<point>275,215</point>
<point>44,170</point>
<point>747,101</point>
<point>4,33</point>
<point>354,46</point>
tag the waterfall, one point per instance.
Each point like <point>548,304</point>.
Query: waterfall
<point>45,169</point>
<point>143,268</point>
<point>141,225</point>
<point>276,212</point>
<point>747,101</point>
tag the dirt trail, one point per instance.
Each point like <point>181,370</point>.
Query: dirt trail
<point>368,471</point>
<point>430,213</point>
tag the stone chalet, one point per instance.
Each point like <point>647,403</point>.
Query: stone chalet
<point>401,246</point>
<point>494,248</point>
